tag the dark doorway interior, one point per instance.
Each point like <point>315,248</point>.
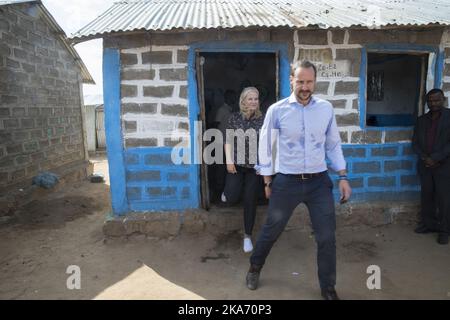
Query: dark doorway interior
<point>225,74</point>
<point>395,85</point>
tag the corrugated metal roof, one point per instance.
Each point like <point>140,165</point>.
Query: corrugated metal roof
<point>4,2</point>
<point>158,15</point>
<point>48,18</point>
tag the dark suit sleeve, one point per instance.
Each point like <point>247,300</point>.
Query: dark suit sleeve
<point>445,151</point>
<point>441,154</point>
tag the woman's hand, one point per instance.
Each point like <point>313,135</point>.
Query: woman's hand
<point>267,191</point>
<point>231,168</point>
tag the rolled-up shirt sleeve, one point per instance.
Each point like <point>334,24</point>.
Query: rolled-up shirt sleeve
<point>333,147</point>
<point>267,136</point>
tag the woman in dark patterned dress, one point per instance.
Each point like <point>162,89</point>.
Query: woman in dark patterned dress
<point>241,151</point>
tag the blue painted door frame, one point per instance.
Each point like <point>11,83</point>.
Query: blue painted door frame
<point>113,130</point>
<point>229,46</point>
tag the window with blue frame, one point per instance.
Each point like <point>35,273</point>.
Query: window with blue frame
<point>395,88</point>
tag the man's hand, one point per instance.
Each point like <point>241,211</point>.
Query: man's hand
<point>345,189</point>
<point>430,163</point>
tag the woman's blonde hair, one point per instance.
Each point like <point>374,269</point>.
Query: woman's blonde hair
<point>242,107</point>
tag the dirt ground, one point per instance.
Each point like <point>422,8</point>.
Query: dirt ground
<point>47,236</point>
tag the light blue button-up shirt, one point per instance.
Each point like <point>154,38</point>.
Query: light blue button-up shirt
<point>304,136</point>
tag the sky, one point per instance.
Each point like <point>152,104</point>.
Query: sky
<point>72,16</point>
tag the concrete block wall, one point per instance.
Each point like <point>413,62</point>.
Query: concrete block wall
<point>385,172</point>
<point>154,96</point>
<point>155,117</point>
<point>40,113</point>
<point>445,47</point>
<point>153,182</point>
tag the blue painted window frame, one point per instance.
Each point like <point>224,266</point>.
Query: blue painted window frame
<point>437,69</point>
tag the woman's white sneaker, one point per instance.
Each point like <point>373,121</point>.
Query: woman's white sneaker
<point>248,246</point>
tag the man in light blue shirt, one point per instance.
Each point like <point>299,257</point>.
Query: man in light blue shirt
<point>298,134</point>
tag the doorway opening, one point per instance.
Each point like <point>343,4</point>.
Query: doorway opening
<point>221,77</point>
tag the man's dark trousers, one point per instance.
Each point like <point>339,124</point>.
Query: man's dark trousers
<point>288,191</point>
<point>435,185</point>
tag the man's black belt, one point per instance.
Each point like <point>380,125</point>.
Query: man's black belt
<point>306,176</point>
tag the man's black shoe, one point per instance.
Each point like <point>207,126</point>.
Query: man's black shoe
<point>253,276</point>
<point>252,280</point>
<point>424,229</point>
<point>329,294</point>
<point>442,238</point>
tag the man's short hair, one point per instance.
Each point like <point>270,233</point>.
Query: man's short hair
<point>434,91</point>
<point>303,64</point>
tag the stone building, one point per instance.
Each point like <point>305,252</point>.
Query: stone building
<point>41,77</point>
<point>167,64</point>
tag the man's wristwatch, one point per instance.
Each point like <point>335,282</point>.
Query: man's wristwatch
<point>268,184</point>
